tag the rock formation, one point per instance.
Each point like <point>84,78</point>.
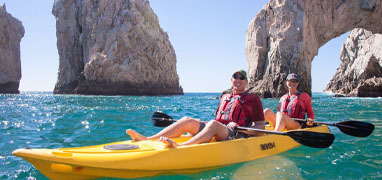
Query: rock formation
<point>11,32</point>
<point>360,73</point>
<point>285,36</point>
<point>113,47</point>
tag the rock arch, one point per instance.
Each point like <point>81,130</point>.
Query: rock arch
<point>285,36</point>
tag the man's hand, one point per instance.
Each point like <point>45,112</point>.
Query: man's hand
<point>309,122</point>
<point>232,125</point>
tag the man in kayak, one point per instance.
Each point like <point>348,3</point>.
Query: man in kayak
<point>238,108</point>
<point>294,104</point>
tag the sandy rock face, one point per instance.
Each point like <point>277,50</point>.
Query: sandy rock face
<point>113,47</point>
<point>11,32</point>
<point>360,73</point>
<point>285,36</point>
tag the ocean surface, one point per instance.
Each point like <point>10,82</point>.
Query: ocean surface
<point>44,120</point>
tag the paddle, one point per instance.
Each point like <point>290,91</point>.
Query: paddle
<point>307,138</point>
<point>353,128</point>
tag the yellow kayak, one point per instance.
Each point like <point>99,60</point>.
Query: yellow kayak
<point>133,159</point>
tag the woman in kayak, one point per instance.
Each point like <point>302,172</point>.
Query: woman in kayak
<point>294,104</point>
<point>238,108</point>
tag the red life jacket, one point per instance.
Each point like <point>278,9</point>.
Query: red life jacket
<point>291,106</point>
<point>231,110</point>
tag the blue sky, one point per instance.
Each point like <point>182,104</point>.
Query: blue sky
<point>208,37</point>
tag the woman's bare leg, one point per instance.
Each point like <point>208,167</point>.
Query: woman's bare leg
<point>284,121</point>
<point>270,116</point>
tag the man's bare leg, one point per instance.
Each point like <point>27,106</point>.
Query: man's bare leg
<point>168,142</point>
<point>213,129</point>
<point>185,124</point>
<point>135,136</point>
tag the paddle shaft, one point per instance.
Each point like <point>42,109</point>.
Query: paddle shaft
<point>261,130</point>
<point>332,124</point>
<point>353,128</point>
<point>170,119</point>
<point>304,120</point>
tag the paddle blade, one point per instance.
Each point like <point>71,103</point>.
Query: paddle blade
<point>161,119</point>
<point>356,128</point>
<point>312,139</point>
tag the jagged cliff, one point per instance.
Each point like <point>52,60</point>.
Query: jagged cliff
<point>285,36</point>
<point>360,73</point>
<point>113,47</point>
<point>11,32</point>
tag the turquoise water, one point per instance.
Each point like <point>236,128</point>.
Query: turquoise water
<point>44,120</point>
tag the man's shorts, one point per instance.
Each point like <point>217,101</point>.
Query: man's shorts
<point>232,133</point>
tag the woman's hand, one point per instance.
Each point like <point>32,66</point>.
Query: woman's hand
<point>309,122</point>
<point>232,125</point>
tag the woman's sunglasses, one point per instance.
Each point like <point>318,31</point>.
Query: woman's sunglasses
<point>238,77</point>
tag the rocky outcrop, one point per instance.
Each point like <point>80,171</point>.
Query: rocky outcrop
<point>360,73</point>
<point>11,32</point>
<point>285,36</point>
<point>113,47</point>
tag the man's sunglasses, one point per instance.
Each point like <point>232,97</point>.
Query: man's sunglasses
<point>238,77</point>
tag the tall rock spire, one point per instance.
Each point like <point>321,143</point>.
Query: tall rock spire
<point>113,47</point>
<point>11,32</point>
